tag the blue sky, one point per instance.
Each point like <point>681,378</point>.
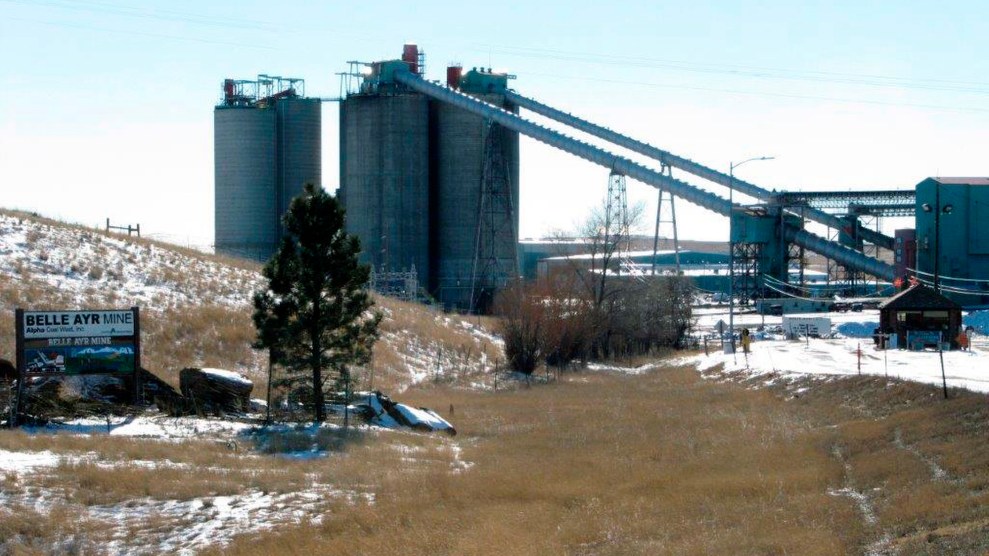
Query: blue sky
<point>106,106</point>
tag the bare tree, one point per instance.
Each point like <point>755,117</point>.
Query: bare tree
<point>522,314</point>
<point>598,267</point>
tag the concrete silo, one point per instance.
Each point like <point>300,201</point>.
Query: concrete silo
<point>266,147</point>
<point>412,172</point>
<point>244,163</point>
<point>474,244</point>
<point>384,178</point>
<point>299,147</point>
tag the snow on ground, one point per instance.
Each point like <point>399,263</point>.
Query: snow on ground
<point>84,264</point>
<point>839,356</point>
<point>15,462</point>
<point>428,360</point>
<point>592,366</point>
<point>147,426</point>
<point>149,526</point>
<point>204,522</point>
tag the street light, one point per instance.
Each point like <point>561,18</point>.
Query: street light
<point>938,210</point>
<point>731,245</point>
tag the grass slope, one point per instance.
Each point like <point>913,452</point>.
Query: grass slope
<point>670,463</point>
<point>196,308</point>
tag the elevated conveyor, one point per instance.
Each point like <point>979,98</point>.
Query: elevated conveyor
<point>684,164</point>
<point>686,191</point>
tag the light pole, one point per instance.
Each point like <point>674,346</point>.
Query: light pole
<point>731,247</point>
<point>938,210</point>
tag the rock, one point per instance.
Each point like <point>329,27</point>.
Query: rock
<point>216,390</point>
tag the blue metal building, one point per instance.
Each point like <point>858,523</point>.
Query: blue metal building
<point>952,233</point>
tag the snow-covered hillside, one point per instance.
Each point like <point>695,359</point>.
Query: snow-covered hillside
<point>91,267</point>
<point>196,307</point>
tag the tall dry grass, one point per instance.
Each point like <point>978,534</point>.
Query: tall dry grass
<point>661,463</point>
<point>670,464</point>
<point>596,464</point>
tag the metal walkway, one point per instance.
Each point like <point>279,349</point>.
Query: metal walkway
<point>684,164</point>
<point>686,191</point>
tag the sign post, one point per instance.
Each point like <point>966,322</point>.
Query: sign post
<point>15,411</point>
<point>721,326</point>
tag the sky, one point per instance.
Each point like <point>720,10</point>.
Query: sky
<point>106,106</point>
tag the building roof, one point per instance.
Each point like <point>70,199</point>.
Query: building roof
<point>919,297</point>
<point>961,181</point>
<point>614,255</point>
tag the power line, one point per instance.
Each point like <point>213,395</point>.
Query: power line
<point>974,87</point>
<point>763,93</point>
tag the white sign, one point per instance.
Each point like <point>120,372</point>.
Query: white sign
<point>74,324</point>
<point>807,326</point>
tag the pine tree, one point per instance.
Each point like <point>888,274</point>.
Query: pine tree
<point>315,314</point>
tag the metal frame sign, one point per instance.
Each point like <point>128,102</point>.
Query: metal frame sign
<point>78,342</point>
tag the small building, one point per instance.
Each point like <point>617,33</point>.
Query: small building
<point>920,317</point>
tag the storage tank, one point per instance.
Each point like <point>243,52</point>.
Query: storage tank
<point>299,149</point>
<point>266,148</point>
<point>457,162</point>
<point>384,177</point>
<point>245,172</point>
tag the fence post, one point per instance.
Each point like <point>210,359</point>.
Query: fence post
<point>859,352</point>
<point>944,379</point>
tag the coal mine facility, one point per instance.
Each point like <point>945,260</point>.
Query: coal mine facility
<point>429,177</point>
<point>266,147</point>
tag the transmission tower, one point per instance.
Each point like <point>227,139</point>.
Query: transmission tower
<point>616,225</point>
<point>496,239</point>
<point>671,220</point>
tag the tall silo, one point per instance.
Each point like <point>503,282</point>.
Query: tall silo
<point>459,146</point>
<point>245,167</point>
<point>384,177</point>
<point>299,147</point>
<point>267,145</point>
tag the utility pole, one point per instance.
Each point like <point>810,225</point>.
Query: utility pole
<point>731,245</point>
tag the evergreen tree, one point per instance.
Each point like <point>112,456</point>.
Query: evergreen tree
<point>315,314</point>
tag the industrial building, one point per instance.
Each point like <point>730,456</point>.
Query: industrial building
<point>905,251</point>
<point>266,147</point>
<point>952,237</point>
<point>429,177</point>
<point>477,113</point>
<point>429,186</point>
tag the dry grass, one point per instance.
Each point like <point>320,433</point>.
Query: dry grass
<point>411,330</point>
<point>669,464</point>
<point>663,463</point>
<point>202,336</point>
<point>24,531</point>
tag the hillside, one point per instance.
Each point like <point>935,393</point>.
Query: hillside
<point>196,308</point>
<point>786,451</point>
